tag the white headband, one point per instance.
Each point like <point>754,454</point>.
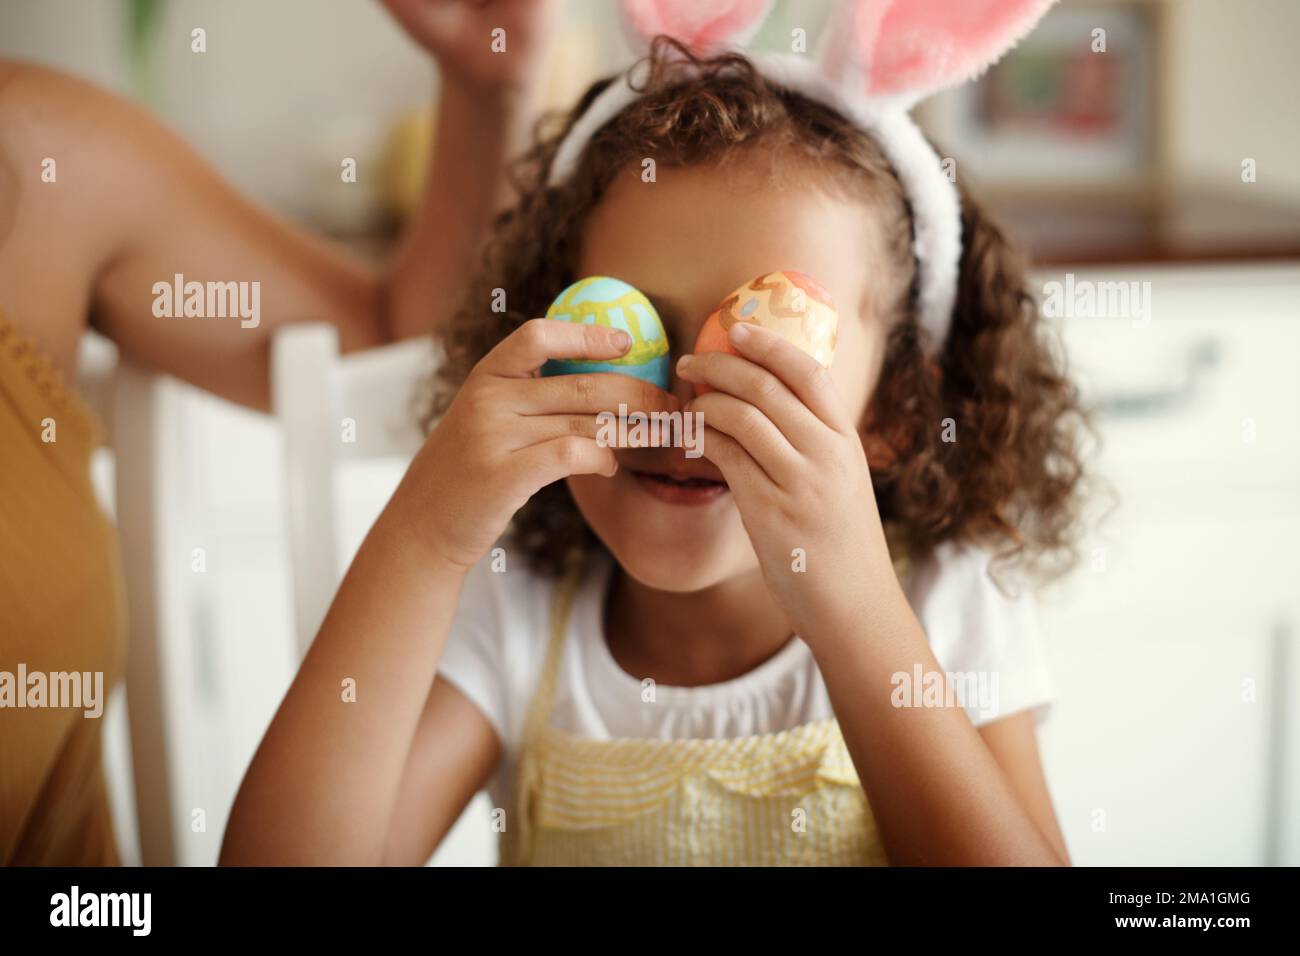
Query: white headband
<point>877,59</point>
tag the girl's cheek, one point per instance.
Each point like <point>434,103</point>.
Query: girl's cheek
<point>600,500</point>
<point>859,360</point>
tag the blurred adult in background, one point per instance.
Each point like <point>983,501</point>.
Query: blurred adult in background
<point>132,206</point>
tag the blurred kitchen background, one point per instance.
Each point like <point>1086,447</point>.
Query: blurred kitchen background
<point>1170,156</point>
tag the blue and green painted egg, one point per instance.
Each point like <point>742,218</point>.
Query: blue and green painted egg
<point>601,300</point>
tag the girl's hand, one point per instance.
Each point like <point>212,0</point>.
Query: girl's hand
<point>459,33</point>
<point>510,432</point>
<point>777,429</point>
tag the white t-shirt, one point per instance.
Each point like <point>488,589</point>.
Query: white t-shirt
<point>498,641</point>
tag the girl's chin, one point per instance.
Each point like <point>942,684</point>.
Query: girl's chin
<point>661,543</point>
<point>680,566</point>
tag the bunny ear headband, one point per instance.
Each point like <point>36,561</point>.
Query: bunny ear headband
<point>877,59</point>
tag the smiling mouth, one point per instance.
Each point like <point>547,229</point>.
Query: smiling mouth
<point>680,491</point>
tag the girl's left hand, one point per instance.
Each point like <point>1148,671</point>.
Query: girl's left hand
<point>777,429</point>
<point>459,33</point>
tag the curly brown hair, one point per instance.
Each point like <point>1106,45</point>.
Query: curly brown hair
<point>1012,478</point>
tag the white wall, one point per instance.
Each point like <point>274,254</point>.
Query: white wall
<point>281,82</point>
<point>286,82</point>
<point>285,88</point>
<point>1235,84</point>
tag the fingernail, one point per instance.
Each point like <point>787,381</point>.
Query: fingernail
<point>685,362</point>
<point>622,340</point>
<point>740,332</point>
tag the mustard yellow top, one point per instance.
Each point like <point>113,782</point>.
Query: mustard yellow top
<point>61,610</point>
<point>778,799</point>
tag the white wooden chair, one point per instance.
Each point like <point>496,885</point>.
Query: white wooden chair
<point>128,401</point>
<point>334,410</point>
<point>315,390</point>
<point>331,410</point>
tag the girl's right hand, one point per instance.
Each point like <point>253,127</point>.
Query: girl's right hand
<point>510,433</point>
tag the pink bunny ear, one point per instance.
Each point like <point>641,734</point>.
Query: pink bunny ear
<point>912,48</point>
<point>701,26</point>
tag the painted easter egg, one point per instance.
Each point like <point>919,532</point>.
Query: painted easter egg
<point>600,300</point>
<point>788,302</point>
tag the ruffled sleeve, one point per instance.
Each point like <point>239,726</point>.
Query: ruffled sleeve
<point>987,636</point>
<point>495,644</point>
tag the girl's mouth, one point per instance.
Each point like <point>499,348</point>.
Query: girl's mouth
<point>680,491</point>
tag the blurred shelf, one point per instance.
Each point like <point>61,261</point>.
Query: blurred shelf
<point>1174,225</point>
<point>1091,227</point>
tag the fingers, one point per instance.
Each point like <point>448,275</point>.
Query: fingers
<point>752,430</point>
<point>528,347</point>
<point>594,392</point>
<point>559,458</point>
<point>737,467</point>
<point>807,378</point>
<point>753,384</point>
<point>543,428</point>
<point>603,427</point>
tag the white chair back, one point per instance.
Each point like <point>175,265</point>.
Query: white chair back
<point>123,393</point>
<point>333,409</point>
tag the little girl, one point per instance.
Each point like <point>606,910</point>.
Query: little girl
<point>746,658</point>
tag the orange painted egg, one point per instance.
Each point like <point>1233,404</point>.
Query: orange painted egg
<point>787,302</point>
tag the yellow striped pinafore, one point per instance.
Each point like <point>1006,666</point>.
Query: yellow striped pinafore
<point>775,799</point>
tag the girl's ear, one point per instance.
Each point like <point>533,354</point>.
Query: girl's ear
<point>908,49</point>
<point>703,27</point>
